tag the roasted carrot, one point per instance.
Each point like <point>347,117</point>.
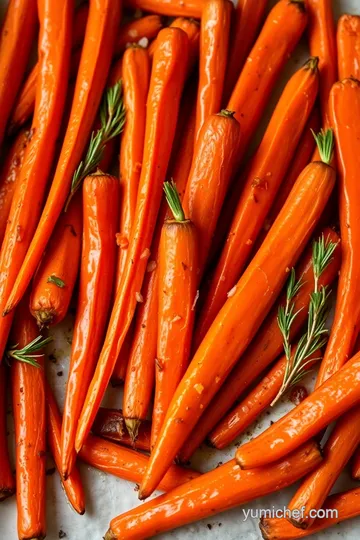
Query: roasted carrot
<point>177,287</point>
<point>56,276</point>
<point>167,79</point>
<point>214,44</point>
<point>9,177</point>
<point>54,51</point>
<point>337,451</point>
<point>262,181</point>
<point>72,485</point>
<point>29,409</point>
<point>171,8</point>
<point>337,508</point>
<point>245,27</point>
<point>132,32</point>
<point>17,33</point>
<point>243,312</point>
<point>344,107</point>
<point>322,41</point>
<point>348,45</point>
<point>100,219</point>
<point>25,101</point>
<point>128,464</point>
<point>216,491</point>
<point>7,481</point>
<point>97,51</point>
<point>110,424</point>
<point>265,348</point>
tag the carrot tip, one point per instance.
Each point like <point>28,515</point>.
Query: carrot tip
<point>132,425</point>
<point>110,535</point>
<point>44,317</point>
<point>298,524</point>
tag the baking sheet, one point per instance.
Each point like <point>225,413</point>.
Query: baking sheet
<point>107,496</point>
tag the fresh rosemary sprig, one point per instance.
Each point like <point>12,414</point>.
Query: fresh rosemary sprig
<point>27,353</point>
<point>173,200</point>
<point>315,336</point>
<point>112,117</point>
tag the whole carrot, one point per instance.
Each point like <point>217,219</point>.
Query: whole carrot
<point>110,424</point>
<point>7,481</point>
<point>128,464</point>
<point>344,106</point>
<point>100,219</point>
<point>248,18</point>
<point>17,33</point>
<point>216,491</point>
<point>54,51</point>
<point>171,8</point>
<point>264,349</point>
<point>55,278</point>
<point>167,79</point>
<point>243,312</point>
<point>262,181</point>
<point>214,43</point>
<point>348,45</point>
<point>9,177</point>
<point>97,51</point>
<point>178,279</point>
<point>72,485</point>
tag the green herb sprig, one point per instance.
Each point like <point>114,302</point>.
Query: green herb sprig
<point>28,353</point>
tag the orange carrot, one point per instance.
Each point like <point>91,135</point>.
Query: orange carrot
<point>167,79</point>
<point>214,43</point>
<point>216,491</point>
<point>243,312</point>
<point>348,45</point>
<point>7,481</point>
<point>110,424</point>
<point>100,211</point>
<point>171,8</point>
<point>103,22</point>
<point>146,27</point>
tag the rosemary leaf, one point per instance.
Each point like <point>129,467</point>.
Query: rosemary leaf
<point>28,353</point>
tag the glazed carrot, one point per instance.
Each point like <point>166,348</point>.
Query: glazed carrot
<point>110,424</point>
<point>29,409</point>
<point>17,33</point>
<point>25,101</point>
<point>145,27</point>
<point>72,485</point>
<point>177,287</point>
<point>216,491</point>
<point>214,44</point>
<point>97,51</point>
<point>348,45</point>
<point>337,508</point>
<point>167,79</point>
<point>337,451</point>
<point>344,106</point>
<point>7,481</point>
<point>248,18</point>
<point>264,349</point>
<point>128,464</point>
<point>56,276</point>
<point>171,8</point>
<point>355,469</point>
<point>322,41</point>
<point>9,177</point>
<point>262,181</point>
<point>242,313</point>
<point>100,222</point>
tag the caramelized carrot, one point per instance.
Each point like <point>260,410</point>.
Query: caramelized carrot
<point>248,18</point>
<point>167,79</point>
<point>100,219</point>
<point>110,424</point>
<point>216,491</point>
<point>242,313</point>
<point>128,464</point>
<point>348,45</point>
<point>7,481</point>
<point>29,409</point>
<point>97,51</point>
<point>17,33</point>
<point>9,177</point>
<point>344,108</point>
<point>72,485</point>
<point>214,43</point>
<point>132,32</point>
<point>55,278</point>
<point>264,349</point>
<point>263,179</point>
<point>171,8</point>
